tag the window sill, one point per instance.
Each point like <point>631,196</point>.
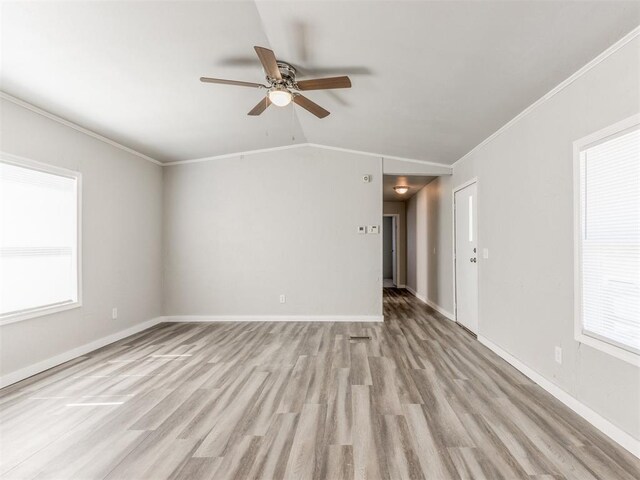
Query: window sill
<point>40,312</point>
<point>608,348</point>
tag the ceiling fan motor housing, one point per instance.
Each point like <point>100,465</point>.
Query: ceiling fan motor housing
<point>288,76</point>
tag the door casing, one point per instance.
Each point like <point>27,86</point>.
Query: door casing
<point>462,186</point>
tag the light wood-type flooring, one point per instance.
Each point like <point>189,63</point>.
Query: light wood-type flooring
<point>422,399</point>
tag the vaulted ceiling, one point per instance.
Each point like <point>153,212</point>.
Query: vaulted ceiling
<point>430,79</point>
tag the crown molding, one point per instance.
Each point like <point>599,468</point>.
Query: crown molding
<point>557,89</point>
<point>303,145</point>
<point>75,126</point>
<point>235,154</point>
<point>379,155</point>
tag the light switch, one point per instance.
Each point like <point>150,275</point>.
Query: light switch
<point>374,229</point>
<point>362,229</point>
<point>485,253</point>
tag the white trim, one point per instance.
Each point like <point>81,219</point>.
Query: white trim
<point>440,310</point>
<point>606,347</point>
<point>416,294</point>
<point>579,335</point>
<point>273,318</point>
<point>557,89</point>
<point>26,372</point>
<point>235,154</point>
<point>605,426</point>
<point>603,133</point>
<point>401,286</point>
<point>433,305</point>
<point>36,165</point>
<point>63,172</point>
<point>465,184</point>
<point>75,126</point>
<point>379,155</point>
<point>303,145</point>
<point>40,311</point>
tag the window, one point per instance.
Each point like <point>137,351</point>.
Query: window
<point>608,240</point>
<point>39,232</point>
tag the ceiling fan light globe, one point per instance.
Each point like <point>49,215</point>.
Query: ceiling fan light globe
<point>280,98</point>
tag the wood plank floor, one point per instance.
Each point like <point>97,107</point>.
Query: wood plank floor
<point>422,399</point>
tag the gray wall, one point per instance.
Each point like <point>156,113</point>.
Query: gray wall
<point>241,231</point>
<point>121,226</point>
<point>429,219</point>
<point>525,219</point>
<point>439,245</point>
<point>399,208</point>
<point>417,248</point>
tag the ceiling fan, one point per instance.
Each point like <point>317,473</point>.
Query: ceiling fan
<point>283,87</point>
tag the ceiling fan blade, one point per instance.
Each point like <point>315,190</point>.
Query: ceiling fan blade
<point>268,60</point>
<point>260,107</point>
<point>232,82</point>
<point>310,106</point>
<point>324,83</point>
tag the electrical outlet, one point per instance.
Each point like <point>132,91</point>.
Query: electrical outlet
<point>559,355</point>
<point>114,313</point>
<point>283,299</point>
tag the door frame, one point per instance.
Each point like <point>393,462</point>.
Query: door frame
<point>395,219</point>
<point>453,227</point>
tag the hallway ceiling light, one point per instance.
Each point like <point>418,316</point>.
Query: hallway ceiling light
<point>401,189</point>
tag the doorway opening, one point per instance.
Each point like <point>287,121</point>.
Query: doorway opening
<point>390,250</point>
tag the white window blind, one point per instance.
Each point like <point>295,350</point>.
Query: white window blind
<point>38,240</point>
<point>610,240</point>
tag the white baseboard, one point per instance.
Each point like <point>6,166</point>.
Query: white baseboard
<point>433,305</point>
<point>605,426</point>
<point>273,318</point>
<point>26,372</point>
<point>440,310</point>
<point>414,293</point>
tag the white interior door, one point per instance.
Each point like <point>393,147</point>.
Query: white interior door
<point>466,256</point>
<point>394,249</point>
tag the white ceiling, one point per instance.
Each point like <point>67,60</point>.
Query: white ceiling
<point>414,182</point>
<point>430,79</point>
